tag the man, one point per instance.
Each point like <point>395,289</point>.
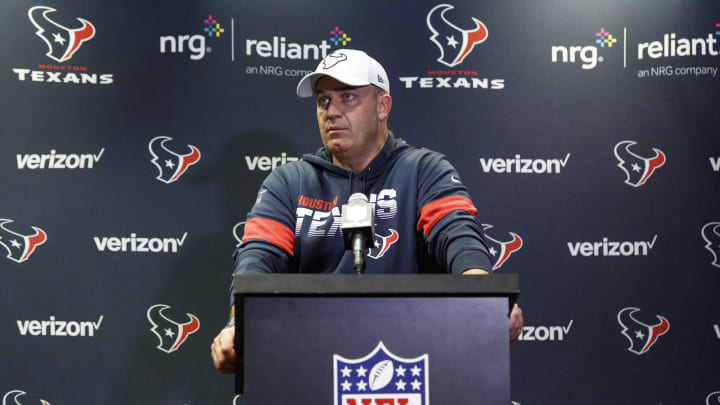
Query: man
<point>424,218</point>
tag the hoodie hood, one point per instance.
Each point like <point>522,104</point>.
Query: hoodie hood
<point>390,151</point>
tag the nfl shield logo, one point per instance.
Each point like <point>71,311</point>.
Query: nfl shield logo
<point>381,378</point>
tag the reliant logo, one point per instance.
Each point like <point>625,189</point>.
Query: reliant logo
<point>63,43</point>
<point>545,333</point>
<point>13,396</point>
<point>715,163</point>
<point>280,48</point>
<point>268,163</point>
<point>194,44</point>
<point>139,244</point>
<point>19,246</point>
<point>454,45</point>
<point>587,54</point>
<point>641,335</point>
<point>523,165</point>
<point>671,46</point>
<point>54,160</point>
<point>611,248</point>
<point>53,327</point>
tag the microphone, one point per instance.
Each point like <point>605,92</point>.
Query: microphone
<point>358,228</point>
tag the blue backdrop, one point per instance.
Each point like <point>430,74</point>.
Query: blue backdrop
<point>135,137</point>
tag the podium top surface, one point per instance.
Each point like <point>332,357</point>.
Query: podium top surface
<point>376,284</point>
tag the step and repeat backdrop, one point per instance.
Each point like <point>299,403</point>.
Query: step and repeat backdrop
<point>135,137</point>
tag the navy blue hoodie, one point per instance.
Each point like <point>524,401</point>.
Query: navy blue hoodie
<point>424,218</point>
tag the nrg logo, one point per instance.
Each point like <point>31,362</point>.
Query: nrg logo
<point>587,55</point>
<point>195,44</point>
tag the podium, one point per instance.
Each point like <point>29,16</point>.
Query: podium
<point>386,339</point>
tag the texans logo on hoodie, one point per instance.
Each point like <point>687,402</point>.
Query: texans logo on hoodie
<point>20,247</point>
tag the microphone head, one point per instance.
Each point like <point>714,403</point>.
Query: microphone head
<point>357,218</point>
<point>358,196</point>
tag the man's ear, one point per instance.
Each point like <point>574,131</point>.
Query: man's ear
<point>384,106</point>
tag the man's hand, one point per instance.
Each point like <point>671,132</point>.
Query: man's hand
<point>516,317</point>
<point>223,352</point>
<point>516,322</point>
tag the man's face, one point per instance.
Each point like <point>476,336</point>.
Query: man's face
<point>348,117</point>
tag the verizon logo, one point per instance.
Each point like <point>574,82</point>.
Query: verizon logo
<point>54,160</point>
<point>267,163</point>
<point>545,333</point>
<point>715,163</point>
<point>523,165</point>
<point>139,244</point>
<point>52,327</point>
<point>611,248</point>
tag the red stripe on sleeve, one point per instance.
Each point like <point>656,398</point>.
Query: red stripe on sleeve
<point>270,231</point>
<point>433,212</point>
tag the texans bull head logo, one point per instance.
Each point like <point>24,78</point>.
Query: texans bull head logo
<point>170,333</point>
<point>171,165</point>
<point>382,244</point>
<point>641,335</point>
<point>637,168</point>
<point>711,233</point>
<point>20,247</point>
<point>454,43</point>
<point>333,59</point>
<point>14,395</point>
<point>62,42</point>
<point>502,250</point>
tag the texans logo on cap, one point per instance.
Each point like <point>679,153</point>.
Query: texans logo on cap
<point>333,59</point>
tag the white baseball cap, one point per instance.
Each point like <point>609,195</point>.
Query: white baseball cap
<point>349,66</point>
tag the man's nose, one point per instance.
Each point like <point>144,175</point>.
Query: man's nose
<point>333,108</point>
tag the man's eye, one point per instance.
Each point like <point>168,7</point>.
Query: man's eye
<point>348,96</point>
<point>322,100</point>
